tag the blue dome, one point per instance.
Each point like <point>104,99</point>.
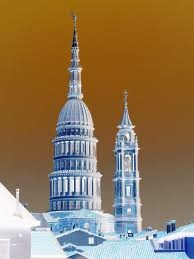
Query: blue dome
<point>75,112</point>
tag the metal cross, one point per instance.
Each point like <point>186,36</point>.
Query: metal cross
<point>125,93</point>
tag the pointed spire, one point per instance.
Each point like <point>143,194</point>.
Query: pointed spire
<point>75,69</point>
<point>75,39</point>
<point>126,122</point>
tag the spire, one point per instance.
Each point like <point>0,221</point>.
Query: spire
<point>75,69</point>
<point>126,122</point>
<point>75,40</point>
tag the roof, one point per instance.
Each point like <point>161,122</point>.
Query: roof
<point>41,219</point>
<point>129,250</point>
<point>186,228</point>
<point>83,213</point>
<point>77,230</point>
<point>183,231</point>
<point>44,243</point>
<point>75,112</point>
<point>126,122</point>
<point>8,209</point>
<point>144,233</point>
<point>78,254</point>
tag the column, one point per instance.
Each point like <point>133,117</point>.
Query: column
<point>72,185</point>
<point>77,185</point>
<point>59,186</point>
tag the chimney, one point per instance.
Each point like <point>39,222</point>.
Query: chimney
<point>173,225</point>
<point>168,227</point>
<point>18,208</point>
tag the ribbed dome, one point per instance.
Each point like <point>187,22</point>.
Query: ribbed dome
<point>75,112</point>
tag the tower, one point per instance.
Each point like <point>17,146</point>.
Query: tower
<point>127,205</point>
<point>75,182</point>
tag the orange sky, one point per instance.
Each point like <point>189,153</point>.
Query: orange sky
<point>146,47</point>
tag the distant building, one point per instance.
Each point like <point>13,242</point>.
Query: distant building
<point>127,205</point>
<point>179,240</point>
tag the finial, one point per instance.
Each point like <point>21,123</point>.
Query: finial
<point>75,40</point>
<point>74,20</point>
<point>125,93</point>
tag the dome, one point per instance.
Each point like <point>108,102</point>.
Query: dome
<point>75,112</point>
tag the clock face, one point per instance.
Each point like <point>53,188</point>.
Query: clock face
<point>127,163</point>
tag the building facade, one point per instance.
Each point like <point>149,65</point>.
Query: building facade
<point>75,181</point>
<point>127,205</point>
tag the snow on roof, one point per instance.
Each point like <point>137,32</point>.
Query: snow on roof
<point>8,209</point>
<point>44,243</point>
<point>129,250</point>
<point>186,228</point>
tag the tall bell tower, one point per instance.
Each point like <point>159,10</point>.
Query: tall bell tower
<point>127,205</point>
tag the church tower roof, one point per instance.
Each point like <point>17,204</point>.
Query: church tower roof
<point>126,122</point>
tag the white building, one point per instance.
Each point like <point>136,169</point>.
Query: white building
<point>16,239</point>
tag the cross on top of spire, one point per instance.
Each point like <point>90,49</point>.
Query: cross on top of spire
<point>125,93</point>
<point>126,122</point>
<point>74,20</point>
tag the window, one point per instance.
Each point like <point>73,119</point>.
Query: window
<point>54,205</point>
<point>58,205</point>
<point>91,240</point>
<point>58,165</point>
<point>78,205</point>
<point>65,205</point>
<point>62,165</point>
<point>128,190</point>
<point>71,205</point>
<point>129,211</point>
